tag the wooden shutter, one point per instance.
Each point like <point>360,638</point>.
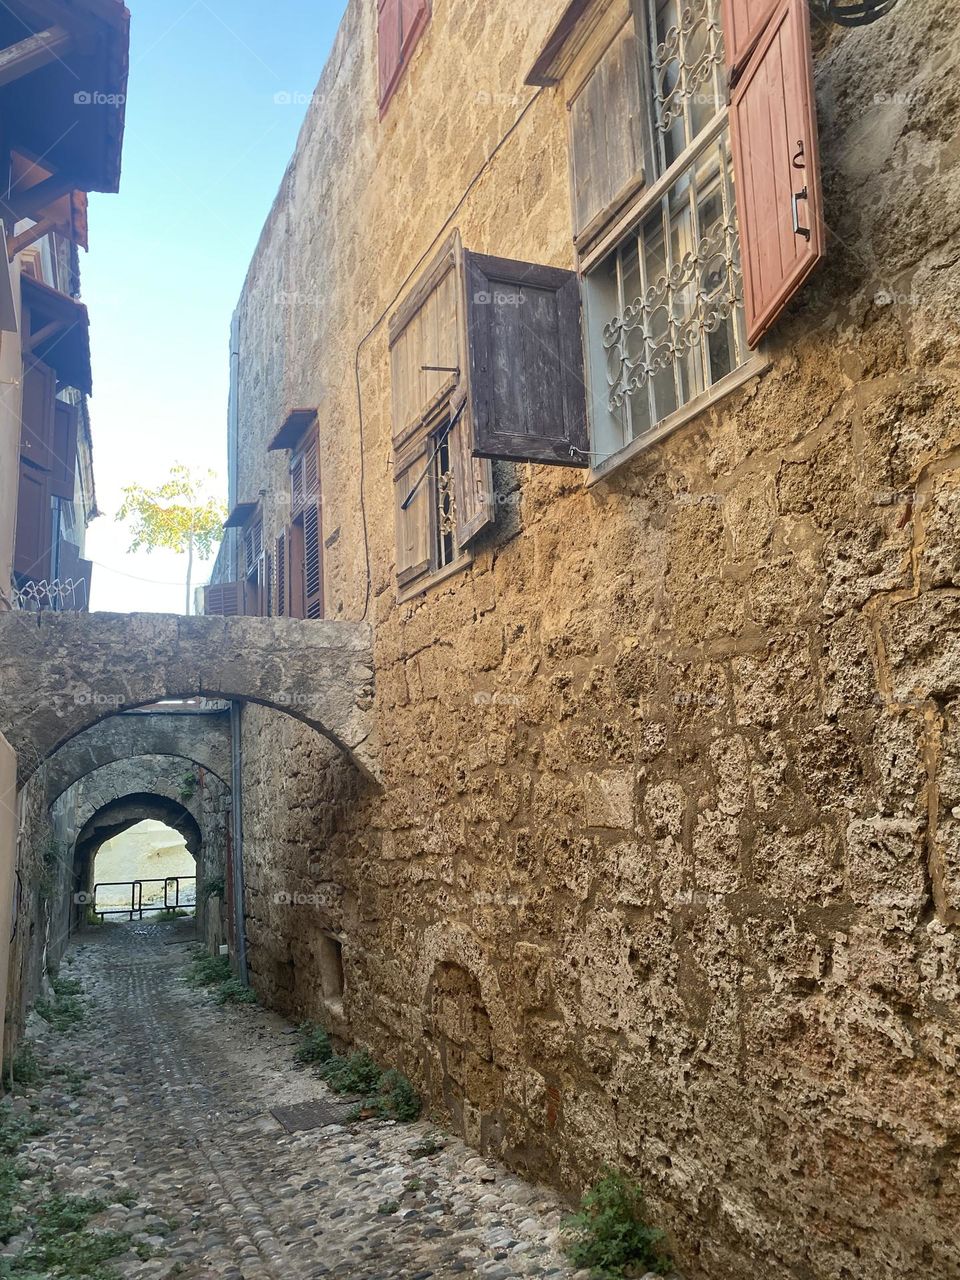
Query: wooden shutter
<point>37,413</point>
<point>224,599</point>
<point>63,459</point>
<point>413,16</point>
<point>312,560</point>
<point>607,127</point>
<point>388,45</point>
<point>415,525</point>
<point>743,22</point>
<point>31,557</point>
<point>527,394</point>
<point>773,132</point>
<point>473,478</point>
<point>280,557</point>
<point>304,474</point>
<point>81,595</point>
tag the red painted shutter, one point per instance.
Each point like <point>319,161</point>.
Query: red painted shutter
<point>223,599</point>
<point>413,16</point>
<point>312,560</point>
<point>63,461</point>
<point>388,45</point>
<point>37,413</point>
<point>743,21</point>
<point>282,606</point>
<point>527,395</point>
<point>31,557</point>
<point>773,130</point>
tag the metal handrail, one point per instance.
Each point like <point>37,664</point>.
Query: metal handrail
<point>136,907</point>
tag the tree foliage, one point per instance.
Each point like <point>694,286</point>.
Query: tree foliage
<point>179,515</point>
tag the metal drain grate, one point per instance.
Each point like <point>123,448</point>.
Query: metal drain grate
<point>312,1115</point>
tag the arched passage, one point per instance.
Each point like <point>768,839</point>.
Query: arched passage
<point>62,673</point>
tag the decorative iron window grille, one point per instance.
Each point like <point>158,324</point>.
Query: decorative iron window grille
<point>676,290</point>
<point>444,499</point>
<point>59,595</point>
<point>688,72</point>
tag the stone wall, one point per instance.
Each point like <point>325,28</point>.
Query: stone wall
<point>664,869</point>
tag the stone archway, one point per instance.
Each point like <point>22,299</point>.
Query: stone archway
<point>202,737</point>
<point>62,673</point>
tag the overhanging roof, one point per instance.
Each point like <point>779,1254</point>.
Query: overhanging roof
<point>66,348</point>
<point>291,433</point>
<point>240,514</point>
<point>71,111</point>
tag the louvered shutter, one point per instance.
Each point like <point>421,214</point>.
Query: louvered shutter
<point>773,132</point>
<point>527,393</point>
<point>312,560</point>
<point>31,557</point>
<point>388,45</point>
<point>223,599</point>
<point>63,459</point>
<point>473,480</point>
<point>37,413</point>
<point>414,525</point>
<point>282,604</point>
<point>607,126</point>
<point>743,22</point>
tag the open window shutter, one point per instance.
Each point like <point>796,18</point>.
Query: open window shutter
<point>413,14</point>
<point>63,460</point>
<point>743,21</point>
<point>223,599</point>
<point>388,44</point>
<point>31,556</point>
<point>37,413</point>
<point>312,560</point>
<point>280,557</point>
<point>607,124</point>
<point>414,524</point>
<point>473,479</point>
<point>773,132</point>
<point>527,393</point>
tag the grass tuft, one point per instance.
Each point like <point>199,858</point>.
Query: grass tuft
<point>314,1044</point>
<point>610,1235</point>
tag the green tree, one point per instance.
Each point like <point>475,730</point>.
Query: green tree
<point>180,515</point>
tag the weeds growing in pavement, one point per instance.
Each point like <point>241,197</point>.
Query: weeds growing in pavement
<point>314,1044</point>
<point>388,1094</point>
<point>610,1235</point>
<point>357,1073</point>
<point>170,913</point>
<point>64,1009</point>
<point>396,1098</point>
<point>206,971</point>
<point>234,992</point>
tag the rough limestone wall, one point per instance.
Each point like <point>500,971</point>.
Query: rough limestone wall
<point>665,869</point>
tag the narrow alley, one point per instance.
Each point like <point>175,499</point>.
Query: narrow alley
<point>173,1130</point>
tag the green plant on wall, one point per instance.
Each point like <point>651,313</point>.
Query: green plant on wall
<point>610,1235</point>
<point>188,788</point>
<point>51,860</point>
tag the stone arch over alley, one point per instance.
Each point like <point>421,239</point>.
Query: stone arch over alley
<point>200,737</point>
<point>64,673</point>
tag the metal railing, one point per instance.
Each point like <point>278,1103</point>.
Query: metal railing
<point>60,595</point>
<point>136,908</point>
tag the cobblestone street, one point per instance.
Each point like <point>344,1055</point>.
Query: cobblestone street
<point>176,1113</point>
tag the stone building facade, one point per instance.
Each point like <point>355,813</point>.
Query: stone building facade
<point>662,867</point>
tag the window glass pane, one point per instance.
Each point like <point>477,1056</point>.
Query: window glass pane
<point>687,63</point>
<point>668,301</point>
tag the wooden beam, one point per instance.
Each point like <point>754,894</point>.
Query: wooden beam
<point>16,244</point>
<point>33,340</point>
<point>32,53</point>
<point>26,202</point>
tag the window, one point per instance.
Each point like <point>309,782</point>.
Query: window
<point>256,570</point>
<point>299,548</point>
<point>331,967</point>
<point>400,23</point>
<point>674,191</point>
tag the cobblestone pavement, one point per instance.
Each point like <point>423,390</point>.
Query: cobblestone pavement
<point>176,1112</point>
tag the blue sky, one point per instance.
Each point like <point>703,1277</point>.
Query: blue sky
<point>206,145</point>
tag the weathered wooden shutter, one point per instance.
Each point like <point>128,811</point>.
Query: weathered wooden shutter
<point>773,132</point>
<point>607,126</point>
<point>473,481</point>
<point>224,599</point>
<point>280,557</point>
<point>312,560</point>
<point>388,45</point>
<point>743,22</point>
<point>63,455</point>
<point>304,475</point>
<point>527,392</point>
<point>31,556</point>
<point>37,413</point>
<point>415,524</point>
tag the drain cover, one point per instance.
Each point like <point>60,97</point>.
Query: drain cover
<point>312,1115</point>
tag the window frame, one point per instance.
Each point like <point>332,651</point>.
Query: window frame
<point>602,237</point>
